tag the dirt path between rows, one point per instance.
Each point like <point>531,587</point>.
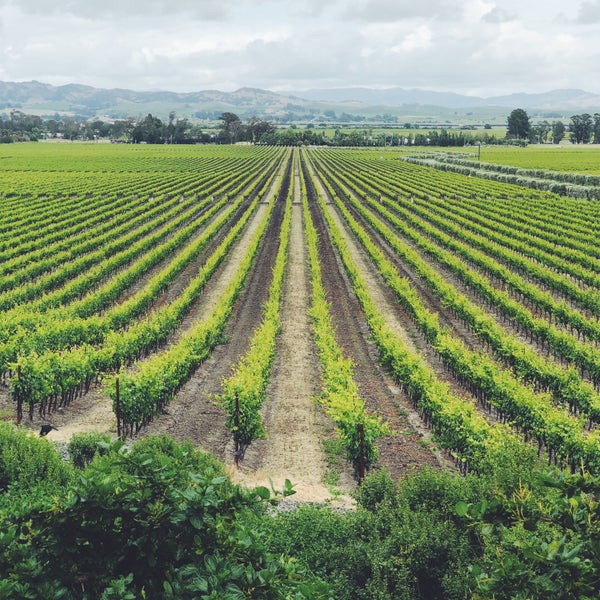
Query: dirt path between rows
<point>295,423</point>
<point>410,446</point>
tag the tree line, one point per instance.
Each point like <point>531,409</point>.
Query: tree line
<point>583,129</point>
<point>18,126</point>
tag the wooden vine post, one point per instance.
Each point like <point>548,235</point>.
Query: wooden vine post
<point>361,449</point>
<point>236,431</point>
<point>19,398</point>
<point>118,405</point>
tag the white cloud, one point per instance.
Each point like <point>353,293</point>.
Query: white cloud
<point>101,10</point>
<point>589,12</point>
<point>418,39</point>
<point>498,15</point>
<point>399,10</point>
<point>487,46</point>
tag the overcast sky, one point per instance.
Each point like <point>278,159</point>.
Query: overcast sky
<point>479,47</point>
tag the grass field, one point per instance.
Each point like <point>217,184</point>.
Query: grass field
<point>562,157</point>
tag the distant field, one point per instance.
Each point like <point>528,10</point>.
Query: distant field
<point>562,157</point>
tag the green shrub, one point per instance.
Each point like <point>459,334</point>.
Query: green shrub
<point>26,460</point>
<point>325,542</point>
<point>186,457</point>
<point>377,488</point>
<point>144,523</point>
<point>84,446</point>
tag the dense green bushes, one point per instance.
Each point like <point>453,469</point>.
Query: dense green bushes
<point>158,521</point>
<point>83,447</point>
<point>161,520</point>
<point>438,536</point>
<point>26,461</point>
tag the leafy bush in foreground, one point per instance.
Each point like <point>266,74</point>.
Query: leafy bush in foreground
<point>532,533</point>
<point>25,459</point>
<point>84,446</point>
<point>161,520</point>
<point>158,521</point>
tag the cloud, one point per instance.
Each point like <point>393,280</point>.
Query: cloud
<point>589,12</point>
<point>415,41</point>
<point>498,15</point>
<point>477,46</point>
<point>399,10</point>
<point>102,10</point>
<point>310,8</point>
<point>301,59</point>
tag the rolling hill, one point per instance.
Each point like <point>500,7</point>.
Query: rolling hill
<point>73,99</point>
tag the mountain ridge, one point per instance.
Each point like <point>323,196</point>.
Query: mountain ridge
<point>554,99</point>
<point>73,98</point>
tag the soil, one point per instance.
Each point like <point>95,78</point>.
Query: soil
<point>294,421</point>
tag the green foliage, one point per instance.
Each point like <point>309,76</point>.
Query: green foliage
<point>27,461</point>
<point>63,351</point>
<point>84,446</point>
<point>454,421</point>
<point>518,124</point>
<point>375,490</point>
<point>184,454</point>
<point>401,542</point>
<point>324,541</point>
<point>146,392</point>
<point>541,541</point>
<point>160,520</point>
<point>436,535</point>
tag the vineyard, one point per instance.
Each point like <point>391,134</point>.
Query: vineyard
<point>214,292</point>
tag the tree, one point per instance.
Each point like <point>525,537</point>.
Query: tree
<point>540,132</point>
<point>518,124</point>
<point>176,129</point>
<point>596,128</point>
<point>232,126</point>
<point>149,130</point>
<point>256,128</point>
<point>581,128</point>
<point>70,128</point>
<point>558,131</point>
<point>122,128</point>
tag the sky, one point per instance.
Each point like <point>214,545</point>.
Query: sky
<point>476,47</point>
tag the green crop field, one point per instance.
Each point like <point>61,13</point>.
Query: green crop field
<point>562,157</point>
<point>441,319</point>
<point>123,209</point>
